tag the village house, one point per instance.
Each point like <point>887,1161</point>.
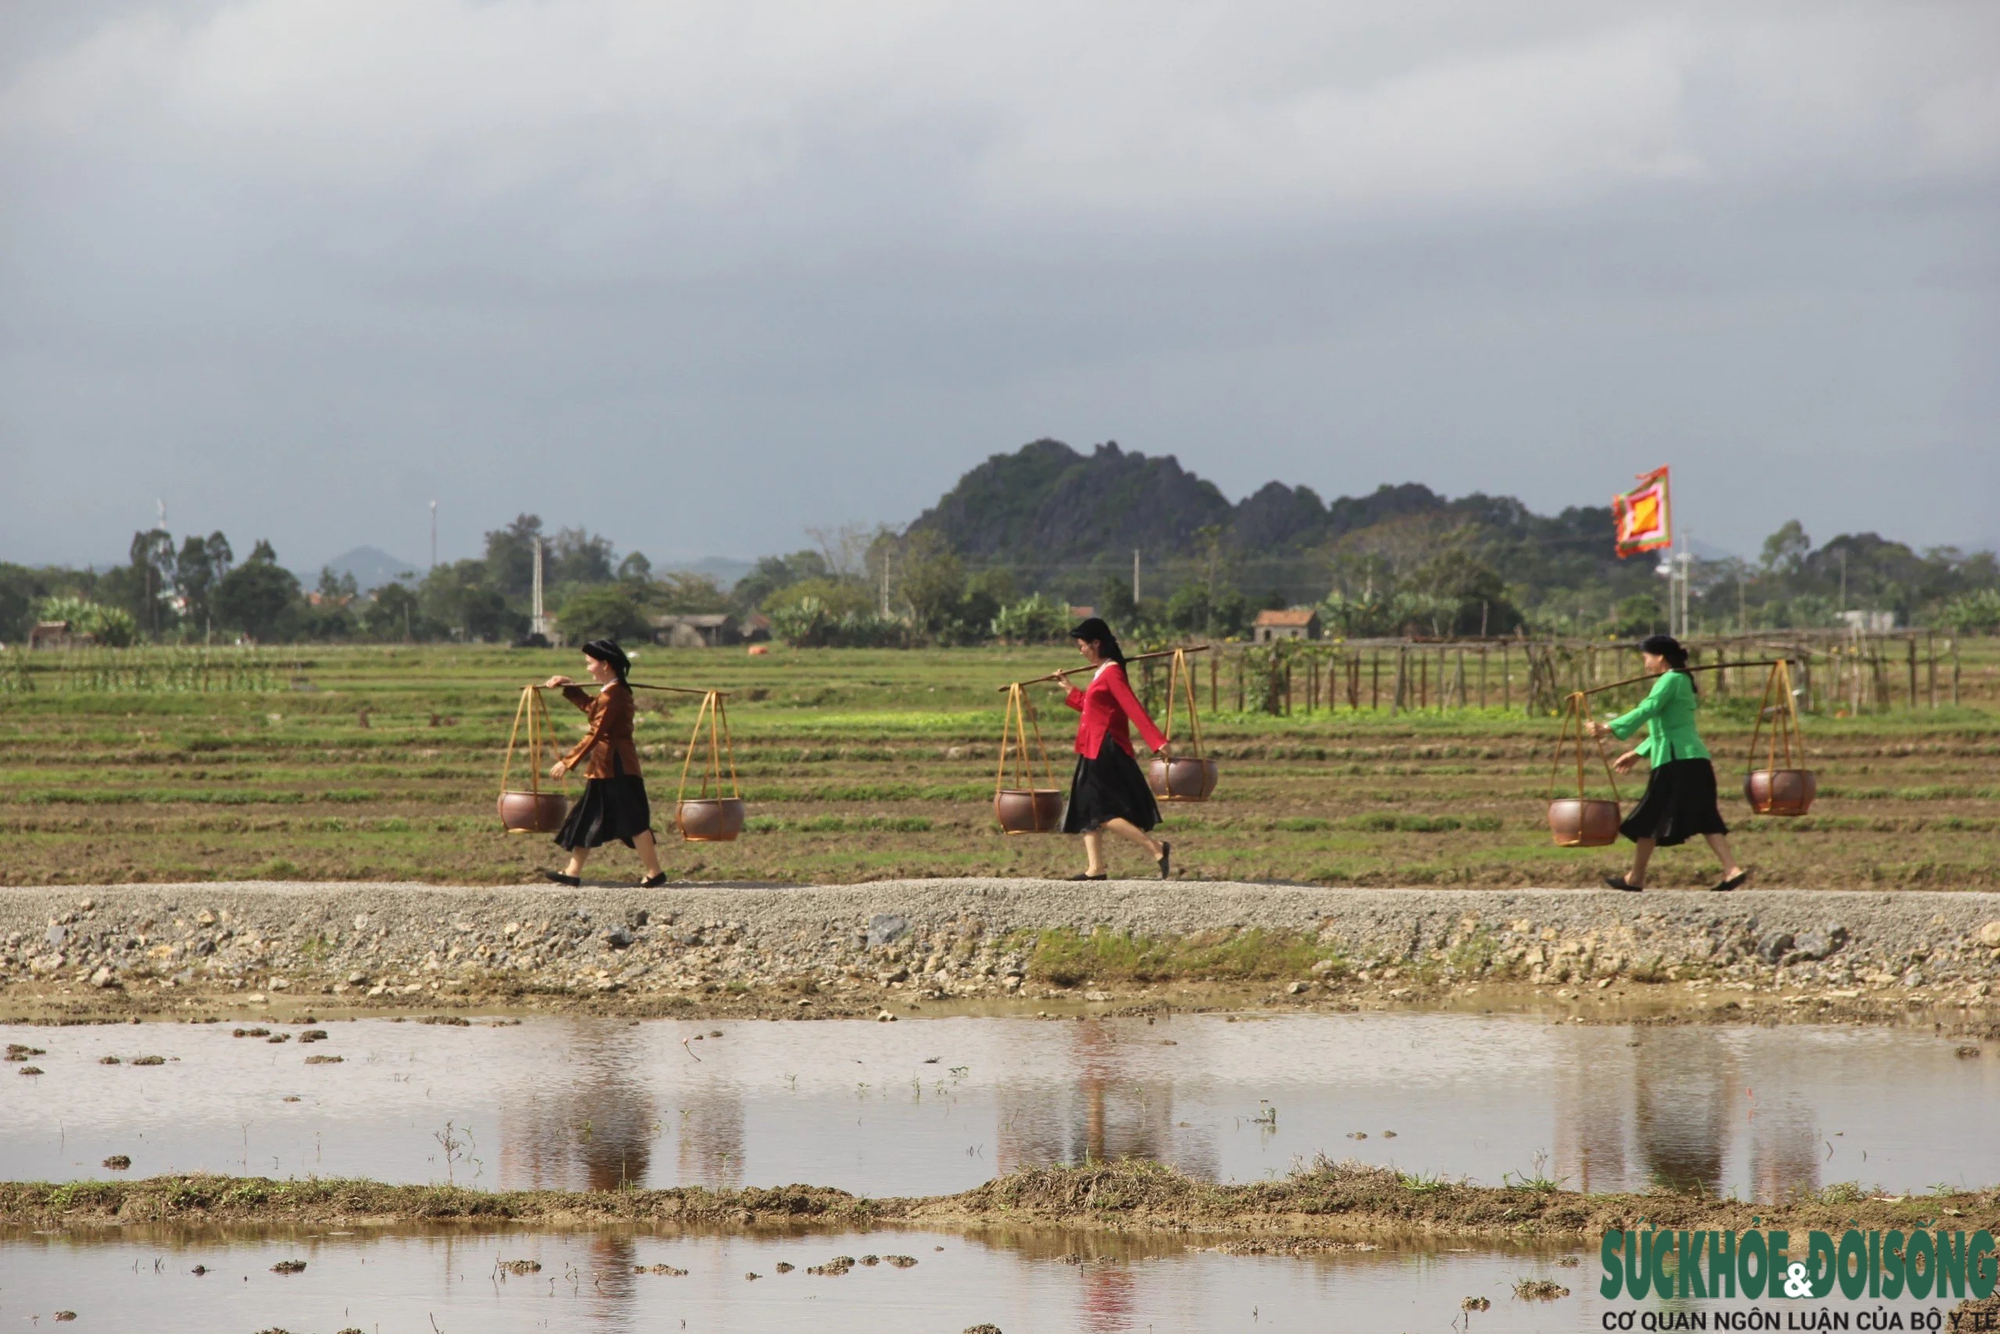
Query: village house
<point>707,630</point>
<point>56,634</point>
<point>1289,623</point>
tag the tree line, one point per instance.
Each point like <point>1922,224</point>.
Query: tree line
<point>1432,573</point>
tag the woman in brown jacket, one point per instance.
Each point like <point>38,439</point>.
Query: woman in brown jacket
<point>613,804</point>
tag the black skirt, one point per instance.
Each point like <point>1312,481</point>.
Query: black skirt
<point>1109,787</point>
<point>1679,803</point>
<point>610,808</point>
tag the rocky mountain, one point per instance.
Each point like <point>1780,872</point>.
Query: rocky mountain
<point>1047,502</point>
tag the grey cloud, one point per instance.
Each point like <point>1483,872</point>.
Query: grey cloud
<point>302,266</point>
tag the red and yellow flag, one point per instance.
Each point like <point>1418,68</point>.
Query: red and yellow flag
<point>1642,515</point>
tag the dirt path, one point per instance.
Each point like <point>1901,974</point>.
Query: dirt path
<point>841,950</point>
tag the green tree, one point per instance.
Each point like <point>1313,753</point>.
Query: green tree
<point>579,557</point>
<point>196,571</point>
<point>1785,551</point>
<point>1634,617</point>
<point>1474,593</point>
<point>20,589</point>
<point>324,622</point>
<point>152,556</point>
<point>933,583</point>
<point>773,573</point>
<point>986,593</point>
<point>393,613</point>
<point>336,587</point>
<point>835,597</point>
<point>1973,613</point>
<point>603,613</point>
<point>510,556</point>
<point>459,597</point>
<point>259,597</point>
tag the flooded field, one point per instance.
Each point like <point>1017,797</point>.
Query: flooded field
<point>932,1106</point>
<point>1037,1282</point>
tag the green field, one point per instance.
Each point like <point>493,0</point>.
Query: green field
<point>344,763</point>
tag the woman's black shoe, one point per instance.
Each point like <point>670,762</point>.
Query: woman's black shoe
<point>1087,876</point>
<point>571,880</point>
<point>653,881</point>
<point>1733,882</point>
<point>1619,882</point>
<point>1166,859</point>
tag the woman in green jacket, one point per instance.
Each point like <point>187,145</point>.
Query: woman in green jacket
<point>1680,793</point>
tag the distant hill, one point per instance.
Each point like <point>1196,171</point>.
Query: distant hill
<point>371,567</point>
<point>1069,518</point>
<point>1045,501</point>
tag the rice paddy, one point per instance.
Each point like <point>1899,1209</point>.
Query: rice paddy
<point>384,762</point>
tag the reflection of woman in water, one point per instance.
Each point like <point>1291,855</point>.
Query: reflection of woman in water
<point>1108,791</point>
<point>1680,793</point>
<point>613,804</point>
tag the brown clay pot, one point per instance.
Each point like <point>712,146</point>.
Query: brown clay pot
<point>1035,810</point>
<point>1780,791</point>
<point>710,819</point>
<point>532,812</point>
<point>1181,778</point>
<point>1583,822</point>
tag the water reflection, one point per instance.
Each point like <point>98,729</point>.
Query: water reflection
<point>1682,1082</point>
<point>1589,1127</point>
<point>1117,1106</point>
<point>931,1107</point>
<point>1034,1281</point>
<point>1785,1153</point>
<point>594,1131</point>
<point>711,1140</point>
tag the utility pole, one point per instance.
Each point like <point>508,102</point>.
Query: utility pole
<point>539,623</point>
<point>434,534</point>
<point>886,553</point>
<point>1135,576</point>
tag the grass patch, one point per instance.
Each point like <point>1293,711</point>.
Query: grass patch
<point>1322,1197</point>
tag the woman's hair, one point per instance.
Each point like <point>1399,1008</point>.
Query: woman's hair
<point>607,651</point>
<point>1666,646</point>
<point>1093,630</point>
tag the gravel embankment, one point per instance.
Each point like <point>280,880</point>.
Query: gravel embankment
<point>840,948</point>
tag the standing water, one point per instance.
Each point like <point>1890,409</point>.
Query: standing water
<point>936,1106</point>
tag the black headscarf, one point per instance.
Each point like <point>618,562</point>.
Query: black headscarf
<point>1666,646</point>
<point>607,651</point>
<point>1094,630</point>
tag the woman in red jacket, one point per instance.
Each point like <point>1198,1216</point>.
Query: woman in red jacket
<point>1108,791</point>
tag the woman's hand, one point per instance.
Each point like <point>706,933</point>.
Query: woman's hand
<point>557,683</point>
<point>1623,764</point>
<point>1596,728</point>
<point>558,769</point>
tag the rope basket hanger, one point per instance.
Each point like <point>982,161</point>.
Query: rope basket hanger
<point>711,816</point>
<point>1174,777</point>
<point>531,811</point>
<point>1581,821</point>
<point>1784,786</point>
<point>1024,808</point>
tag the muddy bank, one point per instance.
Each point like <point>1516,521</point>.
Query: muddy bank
<point>1326,1200</point>
<point>859,949</point>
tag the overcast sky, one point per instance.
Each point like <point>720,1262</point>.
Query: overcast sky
<point>699,275</point>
